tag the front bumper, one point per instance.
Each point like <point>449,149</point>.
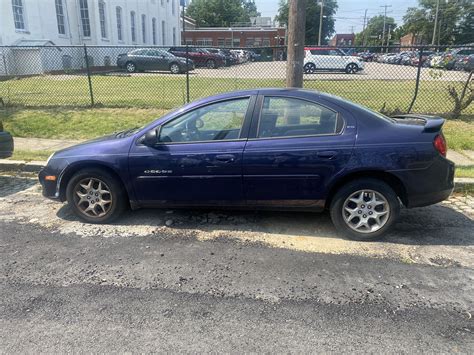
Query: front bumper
<point>6,145</point>
<point>50,188</point>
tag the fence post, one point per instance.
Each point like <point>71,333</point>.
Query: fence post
<point>417,85</point>
<point>89,75</point>
<point>187,72</point>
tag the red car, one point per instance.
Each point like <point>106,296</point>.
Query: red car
<point>200,57</point>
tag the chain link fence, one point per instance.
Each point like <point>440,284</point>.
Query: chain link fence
<point>388,79</point>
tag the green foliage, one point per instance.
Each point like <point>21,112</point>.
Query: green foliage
<point>374,30</point>
<point>313,11</point>
<point>221,13</point>
<point>455,21</point>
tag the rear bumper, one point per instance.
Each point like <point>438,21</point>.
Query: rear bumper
<point>426,187</point>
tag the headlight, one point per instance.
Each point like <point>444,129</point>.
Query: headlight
<point>47,161</point>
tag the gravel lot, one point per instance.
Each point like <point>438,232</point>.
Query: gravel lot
<point>276,70</point>
<point>230,281</point>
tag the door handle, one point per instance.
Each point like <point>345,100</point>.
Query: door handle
<point>225,158</point>
<point>327,154</point>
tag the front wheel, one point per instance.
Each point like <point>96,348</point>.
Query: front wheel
<point>96,196</point>
<point>365,209</point>
<point>352,68</point>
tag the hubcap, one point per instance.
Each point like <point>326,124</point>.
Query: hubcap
<point>352,68</point>
<point>174,69</point>
<point>210,64</point>
<point>366,211</point>
<point>92,197</point>
<point>310,68</point>
<point>130,67</point>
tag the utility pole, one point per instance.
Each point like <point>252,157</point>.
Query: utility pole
<point>388,37</point>
<point>364,34</point>
<point>435,24</point>
<point>320,22</point>
<point>384,20</point>
<point>296,34</point>
<point>352,29</point>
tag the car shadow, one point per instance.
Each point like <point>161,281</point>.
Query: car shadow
<point>434,225</point>
<point>10,185</point>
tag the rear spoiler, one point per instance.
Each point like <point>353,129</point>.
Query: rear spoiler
<point>431,123</point>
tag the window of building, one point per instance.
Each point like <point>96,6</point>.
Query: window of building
<point>144,28</point>
<point>236,42</point>
<point>289,117</point>
<point>204,42</point>
<point>249,42</point>
<point>133,26</point>
<point>153,31</point>
<point>102,20</point>
<point>173,6</point>
<point>60,18</point>
<point>163,32</point>
<point>228,42</point>
<point>258,42</point>
<point>174,35</point>
<point>19,15</point>
<point>266,42</point>
<point>118,12</point>
<point>189,41</point>
<point>85,22</point>
<point>220,42</point>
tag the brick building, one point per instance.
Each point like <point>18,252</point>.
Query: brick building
<point>342,39</point>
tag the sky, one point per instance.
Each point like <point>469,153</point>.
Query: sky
<point>350,12</point>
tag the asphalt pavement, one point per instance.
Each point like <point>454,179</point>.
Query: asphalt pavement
<point>230,281</point>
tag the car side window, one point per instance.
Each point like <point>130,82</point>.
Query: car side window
<point>290,117</point>
<point>334,52</point>
<point>215,122</point>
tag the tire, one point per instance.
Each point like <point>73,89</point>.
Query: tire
<point>370,230</point>
<point>309,68</point>
<point>79,189</point>
<point>130,67</point>
<point>352,68</point>
<point>175,69</point>
<point>211,64</point>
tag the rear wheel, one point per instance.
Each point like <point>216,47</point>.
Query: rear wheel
<point>211,64</point>
<point>175,69</point>
<point>309,68</point>
<point>131,67</point>
<point>365,209</point>
<point>96,196</point>
<point>352,68</point>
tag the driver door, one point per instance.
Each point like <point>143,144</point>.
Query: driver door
<point>198,158</point>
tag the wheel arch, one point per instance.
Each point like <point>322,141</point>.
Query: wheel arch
<point>390,179</point>
<point>73,169</point>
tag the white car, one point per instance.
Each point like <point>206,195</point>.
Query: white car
<point>321,58</point>
<point>241,55</point>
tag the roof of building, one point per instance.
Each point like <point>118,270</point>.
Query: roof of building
<point>34,43</point>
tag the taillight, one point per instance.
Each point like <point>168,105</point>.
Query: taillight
<point>440,144</point>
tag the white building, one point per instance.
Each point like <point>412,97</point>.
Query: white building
<point>59,23</point>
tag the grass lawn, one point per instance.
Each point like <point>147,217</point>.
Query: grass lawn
<point>166,92</point>
<point>465,171</point>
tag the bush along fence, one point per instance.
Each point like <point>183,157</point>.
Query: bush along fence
<point>422,79</point>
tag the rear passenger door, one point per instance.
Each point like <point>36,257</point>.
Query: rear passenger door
<point>294,149</point>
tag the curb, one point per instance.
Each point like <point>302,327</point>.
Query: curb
<point>21,165</point>
<point>460,184</point>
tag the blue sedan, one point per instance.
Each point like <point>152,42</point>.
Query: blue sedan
<point>262,149</point>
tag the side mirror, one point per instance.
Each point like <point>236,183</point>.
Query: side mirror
<point>152,137</point>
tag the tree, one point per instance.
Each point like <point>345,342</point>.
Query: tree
<point>251,9</point>
<point>313,10</point>
<point>220,13</point>
<point>372,35</point>
<point>454,21</point>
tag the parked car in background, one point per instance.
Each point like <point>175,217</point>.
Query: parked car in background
<point>323,58</point>
<point>451,57</point>
<point>468,63</point>
<point>241,55</point>
<point>262,149</point>
<point>254,57</point>
<point>6,143</point>
<point>228,56</point>
<point>153,59</point>
<point>366,56</point>
<point>200,56</point>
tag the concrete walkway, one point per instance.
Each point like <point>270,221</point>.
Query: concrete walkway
<point>463,158</point>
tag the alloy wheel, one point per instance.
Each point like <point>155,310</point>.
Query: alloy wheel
<point>131,67</point>
<point>309,68</point>
<point>175,68</point>
<point>211,64</point>
<point>92,197</point>
<point>352,68</point>
<point>366,211</point>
